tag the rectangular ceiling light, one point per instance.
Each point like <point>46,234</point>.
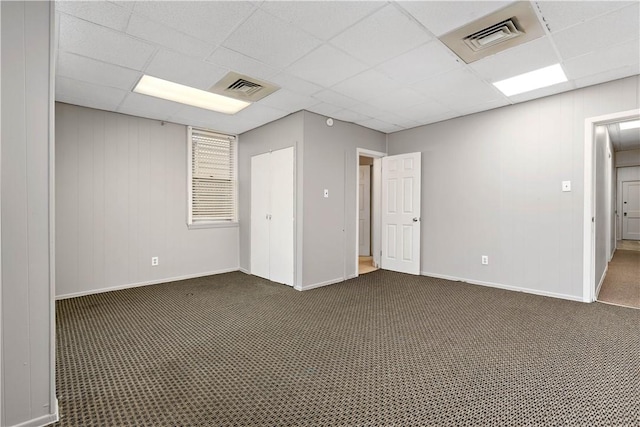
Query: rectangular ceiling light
<point>532,80</point>
<point>176,92</point>
<point>629,125</point>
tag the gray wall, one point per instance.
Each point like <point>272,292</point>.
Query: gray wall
<point>121,198</point>
<point>283,133</point>
<point>491,185</point>
<point>331,162</point>
<point>28,394</point>
<point>627,158</point>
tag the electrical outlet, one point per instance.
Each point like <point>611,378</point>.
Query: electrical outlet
<point>485,260</point>
<point>326,193</point>
<point>154,261</point>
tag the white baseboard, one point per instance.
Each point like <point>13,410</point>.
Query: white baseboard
<point>42,421</point>
<point>244,270</point>
<point>150,282</point>
<point>351,276</point>
<point>319,284</point>
<point>604,274</point>
<point>507,287</point>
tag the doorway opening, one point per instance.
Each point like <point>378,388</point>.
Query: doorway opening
<point>368,205</point>
<point>612,227</point>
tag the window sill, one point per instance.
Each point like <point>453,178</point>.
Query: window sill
<point>213,224</point>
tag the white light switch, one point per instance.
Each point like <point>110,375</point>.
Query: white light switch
<point>326,193</point>
<point>566,185</point>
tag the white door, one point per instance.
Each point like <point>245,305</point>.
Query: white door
<point>401,213</point>
<point>260,209</point>
<point>631,210</point>
<point>364,210</point>
<point>281,217</point>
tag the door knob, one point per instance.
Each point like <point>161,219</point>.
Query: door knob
<point>625,214</point>
<point>416,219</point>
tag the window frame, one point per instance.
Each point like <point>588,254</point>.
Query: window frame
<point>213,223</point>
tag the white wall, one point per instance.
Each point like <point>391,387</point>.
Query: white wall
<point>121,198</point>
<point>627,158</point>
<point>603,201</point>
<point>491,185</point>
<point>331,162</point>
<point>28,390</point>
<point>623,174</point>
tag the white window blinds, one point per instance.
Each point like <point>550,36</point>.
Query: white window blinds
<point>213,176</point>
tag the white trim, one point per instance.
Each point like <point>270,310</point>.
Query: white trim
<point>319,284</point>
<point>617,305</point>
<point>604,274</point>
<point>588,230</point>
<point>506,287</point>
<point>1,340</point>
<point>44,420</point>
<point>244,270</point>
<point>149,282</point>
<point>198,225</point>
<point>367,153</point>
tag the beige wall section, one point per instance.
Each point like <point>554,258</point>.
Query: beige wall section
<point>603,188</point>
<point>283,133</point>
<point>27,312</point>
<point>491,185</point>
<point>627,158</point>
<point>631,173</point>
<point>331,162</point>
<point>121,198</point>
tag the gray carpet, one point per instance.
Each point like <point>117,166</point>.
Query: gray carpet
<point>386,349</point>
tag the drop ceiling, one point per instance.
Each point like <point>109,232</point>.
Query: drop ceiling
<point>624,139</point>
<point>378,64</point>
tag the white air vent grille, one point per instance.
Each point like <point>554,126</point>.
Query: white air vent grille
<point>244,88</point>
<point>493,35</point>
<point>508,27</point>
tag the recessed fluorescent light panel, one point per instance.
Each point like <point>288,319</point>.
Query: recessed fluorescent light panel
<point>176,92</point>
<point>634,124</point>
<point>532,80</point>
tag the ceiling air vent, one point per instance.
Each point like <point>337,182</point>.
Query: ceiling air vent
<point>501,30</point>
<point>498,33</point>
<point>242,87</point>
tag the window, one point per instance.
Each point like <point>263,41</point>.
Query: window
<point>212,178</point>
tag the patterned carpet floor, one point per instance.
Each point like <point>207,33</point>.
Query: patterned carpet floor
<point>385,349</point>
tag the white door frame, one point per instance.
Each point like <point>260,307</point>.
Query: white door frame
<point>375,155</point>
<point>588,248</point>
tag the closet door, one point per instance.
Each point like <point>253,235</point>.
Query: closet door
<point>281,230</point>
<point>260,189</point>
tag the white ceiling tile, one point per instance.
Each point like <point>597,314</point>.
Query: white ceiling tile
<point>440,17</point>
<point>209,21</point>
<point>185,70</point>
<point>367,110</point>
<point>381,36</point>
<point>397,100</point>
<point>129,4</point>
<point>263,37</point>
<point>285,99</point>
<point>608,30</point>
<point>366,85</point>
<point>324,109</point>
<point>458,89</point>
<point>326,66</point>
<point>600,61</point>
<point>379,125</point>
<point>96,72</point>
<point>260,113</point>
<point>323,19</point>
<point>100,43</point>
<point>295,84</point>
<point>420,111</point>
<point>333,98</point>
<point>242,64</point>
<point>608,75</point>
<point>424,61</point>
<point>349,116</point>
<point>540,93</point>
<point>562,14</point>
<point>483,107</point>
<point>526,57</point>
<point>163,35</point>
<point>136,103</point>
<point>87,94</point>
<point>102,13</point>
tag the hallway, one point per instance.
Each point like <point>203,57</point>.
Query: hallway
<point>622,284</point>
